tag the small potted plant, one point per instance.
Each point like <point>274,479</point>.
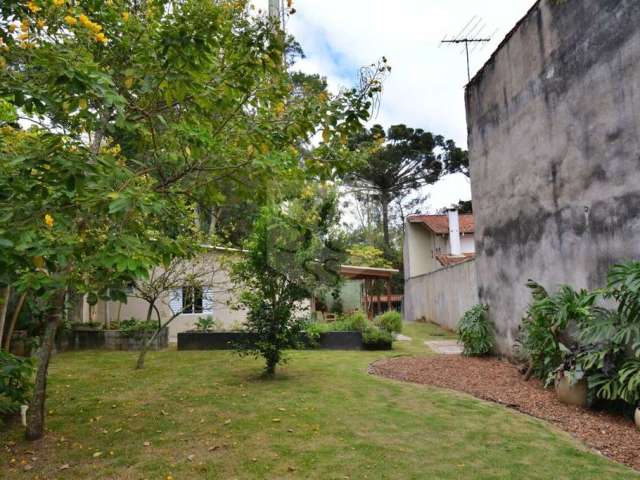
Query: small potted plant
<point>570,382</point>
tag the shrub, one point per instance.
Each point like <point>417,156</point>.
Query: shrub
<point>475,332</point>
<point>390,321</point>
<point>16,382</point>
<point>374,338</point>
<point>354,321</point>
<point>206,324</point>
<point>137,328</point>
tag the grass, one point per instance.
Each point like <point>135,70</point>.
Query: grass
<point>208,415</point>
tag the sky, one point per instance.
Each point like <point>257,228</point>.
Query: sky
<point>426,86</point>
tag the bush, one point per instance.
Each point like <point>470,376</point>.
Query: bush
<point>137,328</point>
<point>374,338</point>
<point>390,321</point>
<point>16,382</point>
<point>206,324</point>
<point>475,332</point>
<point>354,321</point>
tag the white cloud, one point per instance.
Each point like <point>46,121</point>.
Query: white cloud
<point>426,87</point>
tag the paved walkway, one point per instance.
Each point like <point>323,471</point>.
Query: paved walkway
<point>402,338</point>
<point>446,347</point>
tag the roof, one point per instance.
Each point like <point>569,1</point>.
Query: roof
<point>439,224</point>
<point>451,260</point>
<point>352,271</point>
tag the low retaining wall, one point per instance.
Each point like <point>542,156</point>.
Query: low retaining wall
<point>96,339</point>
<point>442,296</point>
<point>229,340</point>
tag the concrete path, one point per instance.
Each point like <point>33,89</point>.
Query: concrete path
<point>402,338</point>
<point>446,347</point>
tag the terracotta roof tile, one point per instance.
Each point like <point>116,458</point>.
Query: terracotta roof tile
<point>439,224</point>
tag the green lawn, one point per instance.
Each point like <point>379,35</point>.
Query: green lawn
<point>208,415</point>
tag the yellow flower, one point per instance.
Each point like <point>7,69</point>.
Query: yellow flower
<point>40,24</point>
<point>69,20</point>
<point>101,38</point>
<point>24,36</point>
<point>25,24</point>
<point>33,7</point>
<point>48,220</point>
<point>58,3</point>
<point>11,27</point>
<point>84,20</point>
<point>94,27</point>
<point>125,16</point>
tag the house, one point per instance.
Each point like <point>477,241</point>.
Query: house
<point>208,292</point>
<point>554,154</point>
<point>432,242</point>
<point>439,267</point>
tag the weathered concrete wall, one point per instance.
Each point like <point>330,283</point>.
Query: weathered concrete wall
<point>442,296</point>
<point>554,140</point>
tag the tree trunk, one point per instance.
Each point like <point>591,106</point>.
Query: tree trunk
<point>35,414</point>
<point>14,321</point>
<point>6,296</point>
<point>147,344</point>
<point>385,221</point>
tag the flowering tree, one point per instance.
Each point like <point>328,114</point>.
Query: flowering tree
<point>119,117</point>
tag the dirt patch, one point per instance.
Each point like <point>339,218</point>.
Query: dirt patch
<point>498,381</point>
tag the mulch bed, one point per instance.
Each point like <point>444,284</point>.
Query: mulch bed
<point>501,382</point>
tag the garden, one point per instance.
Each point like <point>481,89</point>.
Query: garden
<point>576,363</point>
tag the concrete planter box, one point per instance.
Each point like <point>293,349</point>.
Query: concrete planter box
<point>340,341</point>
<point>96,339</point>
<point>229,340</point>
<point>212,340</point>
<point>380,345</point>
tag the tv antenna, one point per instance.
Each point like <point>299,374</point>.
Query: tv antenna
<point>470,34</point>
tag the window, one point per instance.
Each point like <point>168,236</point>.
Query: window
<point>192,300</point>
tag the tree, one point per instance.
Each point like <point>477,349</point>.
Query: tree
<point>117,119</point>
<point>291,253</point>
<point>456,160</point>
<point>158,288</point>
<point>401,160</point>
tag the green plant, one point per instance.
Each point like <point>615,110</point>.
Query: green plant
<point>475,332</point>
<point>16,382</point>
<point>206,324</point>
<point>137,328</point>
<point>354,321</point>
<point>390,321</point>
<point>543,330</point>
<point>374,338</point>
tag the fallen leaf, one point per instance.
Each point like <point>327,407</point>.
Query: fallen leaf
<point>227,422</point>
<point>117,430</point>
<point>276,420</point>
<point>191,457</point>
<point>64,467</point>
<point>214,448</point>
<point>97,454</point>
<point>147,444</point>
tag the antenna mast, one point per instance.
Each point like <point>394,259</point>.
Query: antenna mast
<point>469,34</point>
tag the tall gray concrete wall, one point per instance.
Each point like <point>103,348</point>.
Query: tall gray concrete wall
<point>554,140</point>
<point>442,296</point>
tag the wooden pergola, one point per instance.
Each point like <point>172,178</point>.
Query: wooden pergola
<point>369,275</point>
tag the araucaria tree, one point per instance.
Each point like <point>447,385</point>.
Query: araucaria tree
<point>401,161</point>
<point>118,118</point>
<point>292,251</point>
